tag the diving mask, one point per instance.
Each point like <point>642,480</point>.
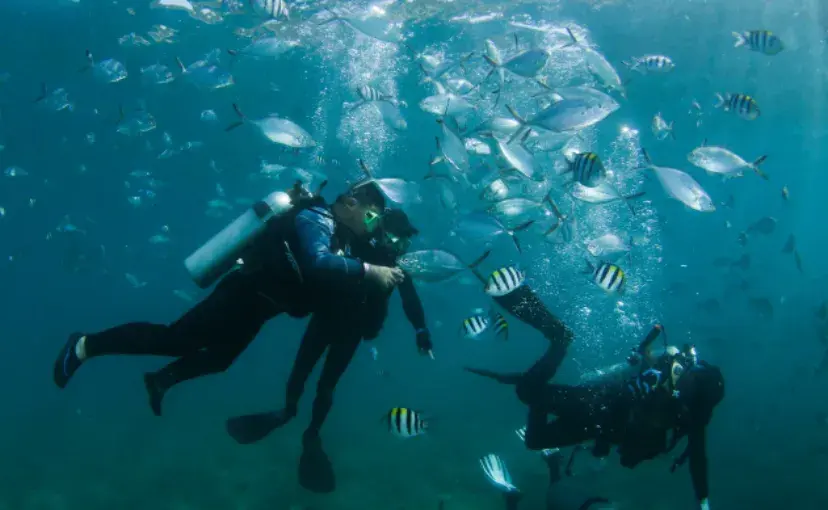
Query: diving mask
<point>373,219</point>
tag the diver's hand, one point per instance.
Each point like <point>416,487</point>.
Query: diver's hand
<point>385,277</point>
<point>424,344</point>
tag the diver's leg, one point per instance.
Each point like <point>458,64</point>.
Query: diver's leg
<point>251,428</point>
<point>315,470</point>
<point>524,304</point>
<point>572,404</point>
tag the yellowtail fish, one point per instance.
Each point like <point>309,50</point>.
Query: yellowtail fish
<point>405,423</point>
<point>742,105</point>
<point>504,280</point>
<point>762,41</point>
<point>609,277</point>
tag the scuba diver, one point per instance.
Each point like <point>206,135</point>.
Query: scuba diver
<point>339,328</point>
<point>289,253</point>
<point>673,391</point>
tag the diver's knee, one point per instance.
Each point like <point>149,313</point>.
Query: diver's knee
<point>525,390</point>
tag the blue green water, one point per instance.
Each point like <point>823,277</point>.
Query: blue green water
<point>96,445</point>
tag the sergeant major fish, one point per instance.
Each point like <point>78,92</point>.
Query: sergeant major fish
<point>762,41</point>
<point>504,281</point>
<point>405,423</point>
<point>742,105</point>
<point>651,64</point>
<point>609,277</point>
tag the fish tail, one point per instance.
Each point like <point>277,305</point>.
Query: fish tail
<point>670,127</point>
<point>516,241</point>
<point>740,39</point>
<point>333,18</point>
<point>233,53</point>
<point>589,268</point>
<point>515,114</point>
<point>554,207</point>
<point>524,226</point>
<point>479,260</point>
<point>120,114</point>
<point>648,163</point>
<point>755,167</point>
<point>629,198</point>
<point>720,101</point>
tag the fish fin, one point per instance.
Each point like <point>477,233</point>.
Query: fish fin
<point>589,268</point>
<point>515,114</point>
<point>740,39</point>
<point>573,40</point>
<point>672,133</point>
<point>44,91</point>
<point>524,226</point>
<point>120,114</point>
<point>755,167</point>
<point>180,64</point>
<point>517,45</point>
<point>516,241</point>
<point>648,163</point>
<point>720,101</point>
<point>365,169</point>
<point>479,260</point>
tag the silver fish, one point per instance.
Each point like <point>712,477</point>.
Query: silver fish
<point>681,186</point>
<point>372,26</point>
<point>434,265</point>
<point>565,115</point>
<point>267,47</point>
<point>157,74</point>
<point>391,114</point>
<point>600,67</point>
<point>205,75</point>
<point>447,104</point>
<point>518,158</point>
<point>452,148</point>
<point>661,128</point>
<point>608,247</point>
<point>277,129</point>
<point>719,160</point>
<point>479,226</point>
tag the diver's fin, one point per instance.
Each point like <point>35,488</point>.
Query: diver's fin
<point>255,427</point>
<point>507,378</point>
<point>315,469</point>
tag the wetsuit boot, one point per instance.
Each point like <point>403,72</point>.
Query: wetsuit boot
<point>67,362</point>
<point>254,427</point>
<point>315,469</point>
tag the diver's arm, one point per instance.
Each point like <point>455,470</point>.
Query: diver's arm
<point>413,308</point>
<point>314,230</point>
<point>697,446</point>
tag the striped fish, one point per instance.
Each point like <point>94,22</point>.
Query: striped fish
<point>504,280</point>
<point>741,104</point>
<point>475,326</point>
<point>496,472</point>
<point>586,168</point>
<point>609,277</point>
<point>273,9</point>
<point>369,93</point>
<point>651,64</point>
<point>405,423</point>
<point>501,327</point>
<point>762,41</point>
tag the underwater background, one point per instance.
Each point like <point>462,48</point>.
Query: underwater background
<point>81,253</point>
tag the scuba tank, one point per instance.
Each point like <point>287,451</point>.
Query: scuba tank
<point>218,255</point>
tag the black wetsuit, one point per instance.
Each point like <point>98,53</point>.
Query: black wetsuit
<point>340,327</point>
<point>620,414</point>
<point>294,269</point>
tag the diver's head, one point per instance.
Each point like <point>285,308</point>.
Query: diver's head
<point>397,232</point>
<point>360,209</point>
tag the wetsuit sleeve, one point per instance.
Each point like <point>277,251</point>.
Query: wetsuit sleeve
<point>412,306</point>
<point>697,444</point>
<point>314,231</point>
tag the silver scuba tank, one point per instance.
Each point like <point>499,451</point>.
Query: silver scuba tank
<point>218,255</point>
